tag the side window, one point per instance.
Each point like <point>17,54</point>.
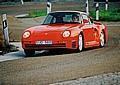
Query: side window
<point>85,17</point>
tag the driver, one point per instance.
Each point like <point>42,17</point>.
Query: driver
<point>75,18</point>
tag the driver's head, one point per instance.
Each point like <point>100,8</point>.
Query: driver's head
<point>75,18</point>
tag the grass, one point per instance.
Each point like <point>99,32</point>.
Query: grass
<point>37,13</point>
<point>110,15</point>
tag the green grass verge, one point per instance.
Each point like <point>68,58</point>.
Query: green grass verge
<point>110,15</point>
<point>37,13</point>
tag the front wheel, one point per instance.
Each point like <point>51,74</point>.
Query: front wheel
<point>29,52</point>
<point>80,42</point>
<point>102,39</point>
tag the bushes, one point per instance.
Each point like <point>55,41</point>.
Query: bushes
<point>110,15</point>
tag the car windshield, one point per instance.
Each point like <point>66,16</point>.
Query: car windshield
<point>62,17</point>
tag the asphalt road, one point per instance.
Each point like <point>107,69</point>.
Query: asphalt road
<point>46,68</point>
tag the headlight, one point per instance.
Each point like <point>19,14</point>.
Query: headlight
<point>26,34</point>
<point>66,33</point>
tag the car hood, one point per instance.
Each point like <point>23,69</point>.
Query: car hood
<point>52,27</point>
<point>50,32</point>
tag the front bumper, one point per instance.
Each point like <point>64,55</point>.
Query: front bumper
<point>67,44</point>
<point>40,47</point>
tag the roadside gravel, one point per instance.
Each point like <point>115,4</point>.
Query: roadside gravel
<point>104,79</point>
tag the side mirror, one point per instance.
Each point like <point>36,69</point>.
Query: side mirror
<point>85,21</point>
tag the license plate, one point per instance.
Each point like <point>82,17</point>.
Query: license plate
<point>44,42</point>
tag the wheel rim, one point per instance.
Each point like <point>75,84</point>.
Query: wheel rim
<point>80,43</point>
<point>102,39</point>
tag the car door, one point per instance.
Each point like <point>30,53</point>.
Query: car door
<point>88,31</point>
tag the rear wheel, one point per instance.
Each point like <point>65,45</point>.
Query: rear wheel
<point>29,52</point>
<point>102,39</point>
<point>80,42</point>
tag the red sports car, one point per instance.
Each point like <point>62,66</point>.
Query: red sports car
<point>64,30</point>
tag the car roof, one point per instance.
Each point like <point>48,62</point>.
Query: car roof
<point>71,12</point>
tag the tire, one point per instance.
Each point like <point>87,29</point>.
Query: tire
<point>80,43</point>
<point>102,39</point>
<point>29,52</point>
